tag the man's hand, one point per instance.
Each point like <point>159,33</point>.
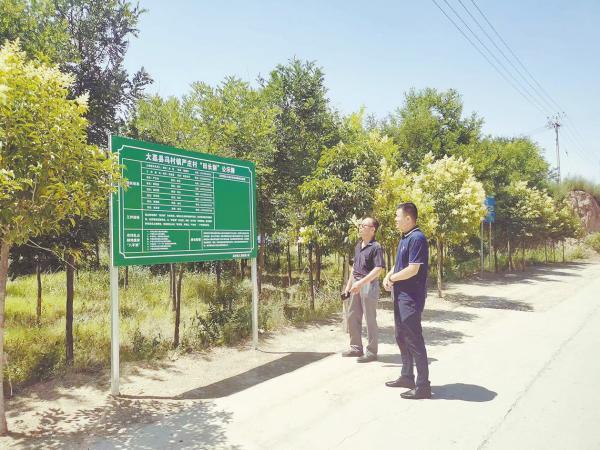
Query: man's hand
<point>387,284</point>
<point>355,289</point>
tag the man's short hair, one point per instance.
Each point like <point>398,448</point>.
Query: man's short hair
<point>374,222</point>
<point>409,209</point>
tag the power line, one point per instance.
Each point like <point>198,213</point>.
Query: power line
<point>539,105</point>
<point>539,99</point>
<point>543,101</point>
<point>515,56</point>
<point>549,100</point>
<point>483,54</point>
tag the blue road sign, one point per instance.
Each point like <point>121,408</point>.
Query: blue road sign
<point>490,204</point>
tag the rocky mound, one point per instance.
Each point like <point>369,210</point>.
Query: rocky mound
<point>587,208</point>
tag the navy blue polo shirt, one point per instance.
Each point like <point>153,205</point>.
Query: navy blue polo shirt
<point>367,258</point>
<point>410,294</point>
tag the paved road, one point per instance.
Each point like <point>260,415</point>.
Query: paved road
<point>514,364</point>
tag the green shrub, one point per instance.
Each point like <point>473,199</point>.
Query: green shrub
<point>593,240</point>
<point>577,252</point>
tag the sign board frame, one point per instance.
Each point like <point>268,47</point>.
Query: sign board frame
<point>174,208</point>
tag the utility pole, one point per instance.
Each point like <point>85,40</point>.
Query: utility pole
<point>555,122</point>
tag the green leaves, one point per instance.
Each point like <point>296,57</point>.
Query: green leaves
<point>48,173</point>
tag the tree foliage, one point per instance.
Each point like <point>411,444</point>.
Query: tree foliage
<point>49,173</point>
<point>430,121</point>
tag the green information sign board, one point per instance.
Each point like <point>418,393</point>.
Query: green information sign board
<point>181,206</point>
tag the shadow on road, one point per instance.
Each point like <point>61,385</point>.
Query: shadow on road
<point>433,336</point>
<point>485,301</point>
<point>537,272</point>
<point>197,425</point>
<point>228,386</point>
<point>464,392</point>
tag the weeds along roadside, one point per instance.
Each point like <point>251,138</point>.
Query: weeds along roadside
<point>210,316</point>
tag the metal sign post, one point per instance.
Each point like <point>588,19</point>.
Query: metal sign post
<point>178,206</point>
<point>490,248</point>
<point>114,301</point>
<point>481,248</point>
<point>490,217</point>
<point>254,270</point>
<point>114,330</point>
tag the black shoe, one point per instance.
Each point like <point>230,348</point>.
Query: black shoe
<point>367,358</point>
<point>352,353</point>
<point>417,393</point>
<point>404,382</point>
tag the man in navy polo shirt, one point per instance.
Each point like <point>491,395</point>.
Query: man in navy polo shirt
<point>408,280</point>
<point>363,288</point>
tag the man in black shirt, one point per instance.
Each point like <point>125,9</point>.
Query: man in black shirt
<point>363,287</point>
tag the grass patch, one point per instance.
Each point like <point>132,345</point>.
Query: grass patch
<point>210,316</point>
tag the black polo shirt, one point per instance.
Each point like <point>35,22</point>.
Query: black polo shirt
<point>367,258</point>
<point>410,294</point>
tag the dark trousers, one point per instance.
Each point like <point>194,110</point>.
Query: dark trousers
<point>409,336</point>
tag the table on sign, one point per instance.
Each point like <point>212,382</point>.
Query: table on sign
<point>169,206</point>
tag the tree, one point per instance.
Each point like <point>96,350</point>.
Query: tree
<point>342,186</point>
<point>526,213</point>
<point>497,162</point>
<point>231,120</point>
<point>394,188</point>
<point>452,203</point>
<point>304,127</point>
<point>43,36</point>
<point>430,121</point>
<point>48,173</point>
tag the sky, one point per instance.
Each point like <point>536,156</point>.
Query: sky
<point>372,53</point>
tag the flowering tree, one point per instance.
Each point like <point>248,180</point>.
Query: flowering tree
<point>394,187</point>
<point>451,201</point>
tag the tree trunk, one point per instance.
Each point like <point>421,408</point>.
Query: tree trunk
<point>523,253</point>
<point>243,263</point>
<point>389,259</point>
<point>546,251</point>
<point>178,306</point>
<point>510,260</point>
<point>97,251</point>
<point>278,252</point>
<point>173,286</point>
<point>70,259</point>
<point>38,309</point>
<point>310,278</point>
<point>289,265</point>
<point>218,273</point>
<point>126,282</point>
<point>299,256</point>
<point>553,251</point>
<point>441,250</point>
<point>344,279</point>
<point>495,259</point>
<point>439,267</point>
<point>4,250</point>
<point>563,251</point>
<point>318,263</point>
